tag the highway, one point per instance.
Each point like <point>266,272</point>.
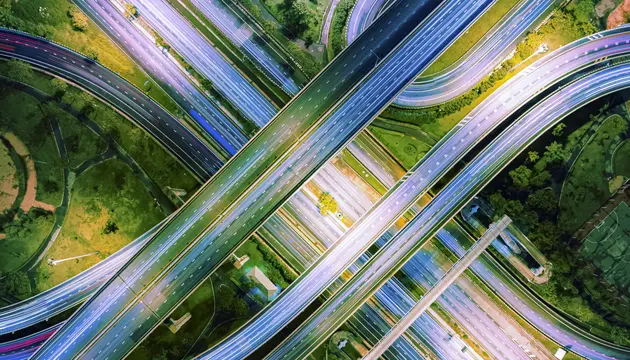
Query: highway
<point>149,273</point>
<point>224,133</point>
<point>473,66</point>
<point>441,157</point>
<point>437,289</point>
<point>115,91</point>
<point>519,298</point>
<point>250,41</point>
<point>74,291</point>
<point>24,348</point>
<point>446,204</point>
<point>198,52</point>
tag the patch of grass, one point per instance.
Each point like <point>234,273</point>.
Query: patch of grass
<point>407,149</point>
<point>144,149</point>
<point>81,142</point>
<point>27,123</point>
<point>621,163</point>
<point>274,271</point>
<point>50,19</point>
<point>106,192</point>
<point>586,186</point>
<point>314,14</point>
<point>472,36</point>
<point>24,235</point>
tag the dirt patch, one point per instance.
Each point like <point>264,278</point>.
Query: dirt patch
<point>603,7</point>
<point>619,16</point>
<point>8,179</point>
<point>31,176</point>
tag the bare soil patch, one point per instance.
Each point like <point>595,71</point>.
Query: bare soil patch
<point>31,176</point>
<point>619,16</point>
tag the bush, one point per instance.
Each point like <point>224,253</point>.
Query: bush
<point>275,261</point>
<point>79,20</point>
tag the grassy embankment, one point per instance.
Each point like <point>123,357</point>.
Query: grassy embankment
<point>50,18</point>
<point>106,193</point>
<point>290,41</point>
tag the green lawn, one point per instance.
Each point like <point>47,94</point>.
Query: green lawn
<point>586,186</point>
<point>80,141</point>
<point>20,245</point>
<point>408,150</point>
<point>27,123</point>
<point>50,18</point>
<point>163,168</point>
<point>621,162</point>
<point>472,36</point>
<point>607,246</point>
<point>106,192</point>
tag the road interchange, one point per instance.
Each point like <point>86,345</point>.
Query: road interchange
<point>139,276</point>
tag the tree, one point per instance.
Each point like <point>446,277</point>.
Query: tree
<point>5,11</point>
<point>19,70</point>
<point>79,20</point>
<point>533,156</point>
<point>92,54</point>
<point>130,10</point>
<point>88,103</point>
<point>327,203</point>
<point>206,84</point>
<point>544,201</point>
<point>557,131</point>
<point>498,203</point>
<point>540,179</point>
<point>555,153</point>
<point>520,176</point>
<point>59,86</point>
<point>296,16</point>
<point>110,227</point>
<point>15,283</point>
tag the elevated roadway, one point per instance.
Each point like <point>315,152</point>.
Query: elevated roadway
<point>110,88</point>
<point>148,280</point>
<point>473,66</point>
<point>198,52</point>
<point>438,289</point>
<point>446,204</point>
<point>223,131</point>
<point>253,43</point>
<point>399,199</point>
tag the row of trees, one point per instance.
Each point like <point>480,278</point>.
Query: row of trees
<point>271,258</point>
